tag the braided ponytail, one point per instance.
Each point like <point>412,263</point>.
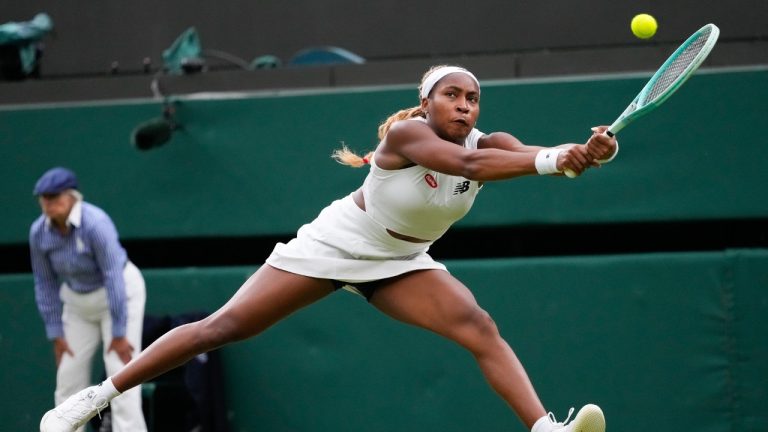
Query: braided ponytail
<point>345,156</point>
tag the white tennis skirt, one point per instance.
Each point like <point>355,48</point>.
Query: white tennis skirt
<point>345,244</point>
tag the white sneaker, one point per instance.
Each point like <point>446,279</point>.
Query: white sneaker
<point>73,412</point>
<point>589,419</point>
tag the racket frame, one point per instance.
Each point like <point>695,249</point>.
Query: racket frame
<point>639,107</point>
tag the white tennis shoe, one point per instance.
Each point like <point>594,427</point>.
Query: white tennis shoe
<point>589,419</point>
<point>74,412</point>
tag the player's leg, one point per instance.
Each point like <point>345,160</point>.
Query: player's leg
<point>268,296</point>
<point>435,300</point>
<point>264,299</point>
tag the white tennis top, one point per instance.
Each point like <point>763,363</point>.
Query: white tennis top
<point>417,201</point>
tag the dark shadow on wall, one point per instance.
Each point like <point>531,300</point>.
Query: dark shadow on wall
<point>458,243</point>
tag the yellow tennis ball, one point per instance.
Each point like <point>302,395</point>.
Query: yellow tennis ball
<point>644,26</point>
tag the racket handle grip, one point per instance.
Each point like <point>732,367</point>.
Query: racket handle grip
<point>572,174</point>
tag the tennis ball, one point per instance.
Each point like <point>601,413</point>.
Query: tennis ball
<point>644,26</point>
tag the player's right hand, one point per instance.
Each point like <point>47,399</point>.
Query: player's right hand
<point>576,158</point>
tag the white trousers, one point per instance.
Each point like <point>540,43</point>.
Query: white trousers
<point>87,325</point>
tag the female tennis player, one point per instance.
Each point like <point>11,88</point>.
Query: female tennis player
<point>424,175</point>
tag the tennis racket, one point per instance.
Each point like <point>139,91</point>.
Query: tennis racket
<point>670,76</point>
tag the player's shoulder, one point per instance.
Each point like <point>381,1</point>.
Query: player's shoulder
<point>408,127</point>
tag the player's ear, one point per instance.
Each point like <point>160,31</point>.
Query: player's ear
<point>425,105</point>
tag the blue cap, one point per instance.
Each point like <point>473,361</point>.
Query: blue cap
<point>55,180</point>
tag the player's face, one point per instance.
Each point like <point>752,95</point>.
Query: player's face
<point>453,107</point>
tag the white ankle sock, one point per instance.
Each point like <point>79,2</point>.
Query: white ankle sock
<point>542,425</point>
<point>108,390</point>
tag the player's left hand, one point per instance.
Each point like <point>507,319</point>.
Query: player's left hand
<point>600,146</point>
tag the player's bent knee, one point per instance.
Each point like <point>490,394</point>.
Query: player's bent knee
<point>475,326</point>
<point>215,332</point>
<point>486,326</point>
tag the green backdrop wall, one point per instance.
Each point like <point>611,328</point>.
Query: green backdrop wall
<point>259,164</point>
<point>663,342</point>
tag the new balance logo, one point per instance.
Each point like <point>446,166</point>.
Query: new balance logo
<point>461,187</point>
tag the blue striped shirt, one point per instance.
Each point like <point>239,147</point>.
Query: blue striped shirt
<point>88,258</point>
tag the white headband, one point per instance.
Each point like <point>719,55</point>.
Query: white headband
<point>438,74</point>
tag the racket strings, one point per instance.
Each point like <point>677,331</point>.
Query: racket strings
<point>678,67</point>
